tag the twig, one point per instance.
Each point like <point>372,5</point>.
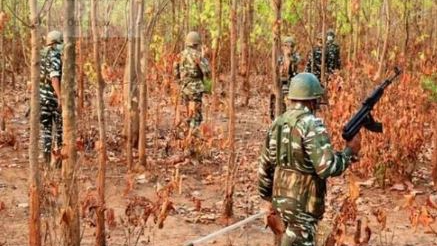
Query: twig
<point>21,20</point>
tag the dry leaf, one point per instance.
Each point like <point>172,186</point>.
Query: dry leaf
<point>410,200</point>
<point>425,218</point>
<point>381,217</point>
<point>2,206</point>
<point>167,206</point>
<point>354,189</point>
<point>275,223</point>
<point>110,218</point>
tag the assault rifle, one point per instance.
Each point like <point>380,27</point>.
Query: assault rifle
<point>363,116</point>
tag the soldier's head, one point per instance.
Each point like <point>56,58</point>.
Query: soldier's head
<point>54,37</point>
<point>288,45</point>
<point>193,40</point>
<point>330,36</point>
<point>306,88</point>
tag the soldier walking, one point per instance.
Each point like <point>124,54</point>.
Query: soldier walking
<point>332,57</point>
<point>50,94</point>
<point>296,161</point>
<point>191,70</point>
<point>287,62</point>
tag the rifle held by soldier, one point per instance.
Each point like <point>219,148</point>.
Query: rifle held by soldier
<point>363,117</point>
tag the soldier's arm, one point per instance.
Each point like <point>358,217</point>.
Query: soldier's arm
<point>55,71</point>
<point>204,67</point>
<point>338,63</point>
<point>310,59</point>
<point>266,171</point>
<point>176,71</point>
<point>325,160</point>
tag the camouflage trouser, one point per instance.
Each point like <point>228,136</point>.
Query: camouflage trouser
<point>50,115</point>
<point>192,95</point>
<point>300,226</point>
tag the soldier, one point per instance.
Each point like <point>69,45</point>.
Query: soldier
<point>332,57</point>
<point>314,62</point>
<point>287,63</point>
<point>296,161</point>
<point>50,93</point>
<point>192,70</point>
<point>333,61</point>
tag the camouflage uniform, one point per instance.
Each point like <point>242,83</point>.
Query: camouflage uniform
<point>191,70</point>
<point>51,66</point>
<point>288,69</point>
<point>295,162</point>
<point>332,59</point>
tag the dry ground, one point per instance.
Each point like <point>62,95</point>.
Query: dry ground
<point>202,179</point>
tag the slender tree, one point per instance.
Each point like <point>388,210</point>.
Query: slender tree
<point>129,78</point>
<point>142,82</point>
<point>277,6</point>
<point>100,234</point>
<point>323,4</point>
<point>216,45</point>
<point>70,211</point>
<point>229,192</point>
<point>34,174</point>
<point>3,73</point>
<point>378,74</point>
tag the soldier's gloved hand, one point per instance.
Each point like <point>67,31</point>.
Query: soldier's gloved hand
<point>355,144</point>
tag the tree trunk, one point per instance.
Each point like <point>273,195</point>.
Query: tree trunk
<point>128,84</point>
<point>142,56</point>
<point>276,5</point>
<point>386,39</point>
<point>434,157</point>
<point>216,46</point>
<point>100,233</point>
<point>34,175</point>
<point>245,49</point>
<point>70,211</point>
<point>228,202</point>
<point>323,4</point>
<point>3,74</point>
<point>81,74</point>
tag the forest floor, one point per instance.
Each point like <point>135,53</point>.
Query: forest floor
<point>203,180</point>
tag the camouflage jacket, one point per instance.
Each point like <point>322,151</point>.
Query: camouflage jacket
<point>191,67</point>
<point>288,65</point>
<point>51,64</point>
<point>297,158</point>
<point>333,61</point>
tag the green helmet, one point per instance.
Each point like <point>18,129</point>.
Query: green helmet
<point>288,41</point>
<point>305,86</point>
<point>54,37</point>
<point>330,33</point>
<point>192,38</point>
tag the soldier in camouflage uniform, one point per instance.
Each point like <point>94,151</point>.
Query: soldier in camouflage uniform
<point>287,64</point>
<point>50,93</point>
<point>333,61</point>
<point>191,70</point>
<point>332,57</point>
<point>296,161</point>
